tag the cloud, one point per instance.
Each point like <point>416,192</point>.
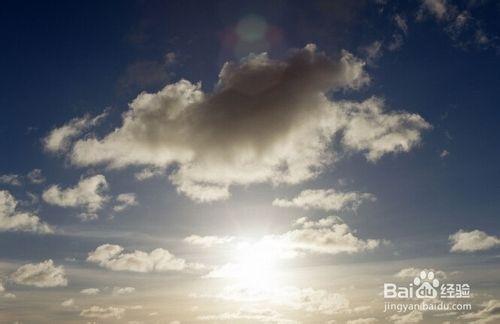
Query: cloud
<point>10,179</point>
<point>170,58</point>
<point>396,42</point>
<point>401,23</point>
<point>373,52</point>
<point>327,200</point>
<point>369,320</point>
<point>438,8</point>
<point>208,241</point>
<point>90,291</point>
<point>123,290</point>
<point>87,194</point>
<point>147,73</point>
<point>125,200</point>
<point>11,219</point>
<point>328,235</point>
<point>313,300</point>
<point>305,299</point>
<point>5,294</point>
<point>412,317</point>
<point>68,303</point>
<point>490,313</point>
<point>325,236</point>
<point>43,274</point>
<point>461,27</point>
<point>414,272</point>
<point>149,173</point>
<point>376,133</point>
<point>36,176</point>
<point>266,121</point>
<point>112,257</point>
<point>59,139</point>
<point>263,315</point>
<point>103,312</point>
<point>444,153</point>
<point>472,241</point>
<point>398,37</point>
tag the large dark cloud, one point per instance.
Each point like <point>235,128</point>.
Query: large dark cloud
<point>266,121</point>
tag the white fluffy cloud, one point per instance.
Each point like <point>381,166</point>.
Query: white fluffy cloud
<point>123,290</point>
<point>60,138</point>
<point>371,130</point>
<point>208,241</point>
<point>266,121</point>
<point>43,274</point>
<point>90,291</point>
<point>475,240</point>
<point>112,257</point>
<point>103,312</point>
<point>124,201</point>
<point>328,235</point>
<point>68,303</point>
<point>490,313</point>
<point>327,200</point>
<point>87,194</point>
<point>11,219</point>
<point>10,179</point>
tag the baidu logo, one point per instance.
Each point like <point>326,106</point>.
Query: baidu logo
<point>426,286</point>
<point>426,293</point>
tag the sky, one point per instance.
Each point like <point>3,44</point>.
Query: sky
<point>248,161</point>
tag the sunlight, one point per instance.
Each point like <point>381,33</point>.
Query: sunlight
<point>256,264</point>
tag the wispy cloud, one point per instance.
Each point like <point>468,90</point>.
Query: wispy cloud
<point>59,139</point>
<point>90,291</point>
<point>11,179</point>
<point>488,314</point>
<point>103,312</point>
<point>125,201</point>
<point>208,241</point>
<point>325,199</point>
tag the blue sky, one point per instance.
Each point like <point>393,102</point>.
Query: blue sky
<point>364,143</point>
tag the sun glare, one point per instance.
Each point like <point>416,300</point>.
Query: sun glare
<point>256,264</point>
